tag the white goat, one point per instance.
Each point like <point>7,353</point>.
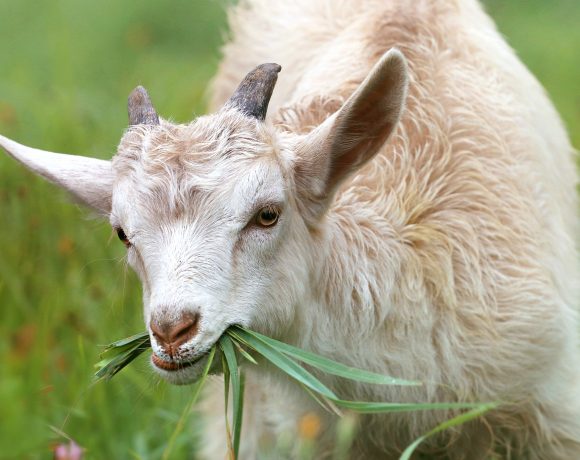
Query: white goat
<point>439,247</point>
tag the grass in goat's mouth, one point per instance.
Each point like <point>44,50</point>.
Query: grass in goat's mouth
<point>240,343</point>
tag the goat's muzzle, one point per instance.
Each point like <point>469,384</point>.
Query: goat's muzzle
<point>170,335</point>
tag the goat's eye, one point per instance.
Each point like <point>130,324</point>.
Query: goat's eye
<point>123,237</point>
<point>267,217</point>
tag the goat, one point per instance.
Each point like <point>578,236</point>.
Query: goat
<point>407,206</point>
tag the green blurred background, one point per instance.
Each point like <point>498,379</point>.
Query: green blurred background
<point>66,68</point>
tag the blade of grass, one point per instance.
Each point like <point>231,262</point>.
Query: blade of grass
<point>227,347</point>
<point>327,365</point>
<point>269,351</point>
<point>226,372</point>
<point>244,353</point>
<point>284,363</point>
<point>378,407</point>
<point>140,338</point>
<point>338,369</point>
<point>109,366</point>
<point>120,353</point>
<point>231,361</point>
<point>458,420</point>
<point>325,403</point>
<point>189,406</point>
<point>238,414</point>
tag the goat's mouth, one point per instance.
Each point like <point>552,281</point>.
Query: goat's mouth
<point>186,372</point>
<point>180,372</point>
<point>171,366</point>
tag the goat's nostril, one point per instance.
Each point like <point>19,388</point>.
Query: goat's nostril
<point>158,330</point>
<point>172,334</point>
<point>183,329</point>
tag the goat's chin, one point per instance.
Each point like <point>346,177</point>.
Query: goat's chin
<point>185,376</point>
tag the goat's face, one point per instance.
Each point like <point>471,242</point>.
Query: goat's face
<point>222,217</point>
<point>206,213</point>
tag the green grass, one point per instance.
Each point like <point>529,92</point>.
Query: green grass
<point>66,68</point>
<point>239,342</point>
<point>546,36</point>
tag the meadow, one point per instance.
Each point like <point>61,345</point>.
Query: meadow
<point>66,68</point>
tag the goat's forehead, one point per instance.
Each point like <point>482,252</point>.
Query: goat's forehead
<point>170,168</point>
<point>201,145</point>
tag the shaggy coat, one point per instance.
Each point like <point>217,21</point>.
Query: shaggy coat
<point>450,257</point>
<point>409,212</point>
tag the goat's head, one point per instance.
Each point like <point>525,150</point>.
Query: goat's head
<point>221,217</point>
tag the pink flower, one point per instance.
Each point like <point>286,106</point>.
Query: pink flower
<point>70,451</point>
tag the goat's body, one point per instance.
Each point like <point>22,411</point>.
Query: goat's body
<point>449,258</point>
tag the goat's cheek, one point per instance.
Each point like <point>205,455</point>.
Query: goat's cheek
<point>264,242</point>
<point>135,260</point>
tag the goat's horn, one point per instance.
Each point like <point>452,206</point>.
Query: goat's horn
<point>140,108</point>
<point>253,94</point>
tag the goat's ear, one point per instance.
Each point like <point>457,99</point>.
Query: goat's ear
<point>355,133</point>
<point>88,179</point>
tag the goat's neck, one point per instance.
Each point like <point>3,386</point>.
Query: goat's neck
<point>338,295</point>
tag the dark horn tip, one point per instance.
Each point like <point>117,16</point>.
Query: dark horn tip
<point>271,67</point>
<point>254,92</point>
<point>140,108</point>
<point>138,97</point>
